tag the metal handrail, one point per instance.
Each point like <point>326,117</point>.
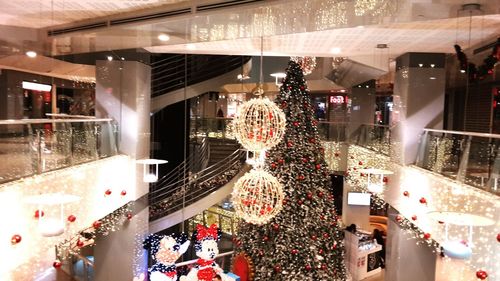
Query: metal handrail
<point>474,134</point>
<point>43,121</point>
<point>194,261</point>
<point>195,194</point>
<point>229,160</point>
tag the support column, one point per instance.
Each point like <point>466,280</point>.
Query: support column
<point>123,92</point>
<point>362,108</point>
<point>419,92</point>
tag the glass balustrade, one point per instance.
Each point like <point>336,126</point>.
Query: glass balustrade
<point>471,158</point>
<point>34,146</point>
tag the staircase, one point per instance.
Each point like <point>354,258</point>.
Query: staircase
<point>220,148</point>
<point>182,194</point>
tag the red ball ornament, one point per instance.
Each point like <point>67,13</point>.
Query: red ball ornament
<point>406,194</point>
<point>309,196</point>
<point>336,154</point>
<point>277,268</point>
<point>386,179</point>
<point>39,213</point>
<point>318,166</point>
<point>129,216</point>
<point>299,202</point>
<point>57,264</point>
<point>107,192</point>
<point>399,218</point>
<point>289,144</point>
<point>281,161</point>
<point>312,140</point>
<point>301,177</point>
<point>71,218</point>
<point>481,274</point>
<point>265,238</point>
<point>16,239</point>
<point>427,236</point>
<point>123,193</point>
<point>273,165</point>
<point>320,251</point>
<point>304,160</point>
<point>296,124</point>
<point>360,163</point>
<point>498,237</point>
<point>422,200</point>
<point>295,251</point>
<point>314,237</point>
<point>276,227</point>
<point>325,235</point>
<point>320,194</point>
<point>96,224</point>
<point>323,266</point>
<point>308,267</point>
<point>302,87</point>
<point>79,243</point>
<point>414,217</point>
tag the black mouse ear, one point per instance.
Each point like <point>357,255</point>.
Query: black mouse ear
<point>180,238</point>
<point>151,242</point>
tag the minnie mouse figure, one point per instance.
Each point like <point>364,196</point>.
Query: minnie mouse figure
<point>206,249</point>
<point>165,250</point>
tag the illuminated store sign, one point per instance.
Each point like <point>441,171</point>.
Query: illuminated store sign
<point>338,99</point>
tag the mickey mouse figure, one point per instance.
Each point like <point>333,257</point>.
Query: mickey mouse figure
<point>165,250</point>
<point>206,249</point>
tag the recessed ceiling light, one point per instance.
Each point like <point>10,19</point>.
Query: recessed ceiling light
<point>432,65</point>
<point>342,91</point>
<point>462,70</point>
<point>432,78</point>
<point>31,54</point>
<point>122,58</point>
<point>163,37</point>
<point>190,47</point>
<point>335,50</point>
<point>420,64</point>
<point>360,26</point>
<point>110,58</point>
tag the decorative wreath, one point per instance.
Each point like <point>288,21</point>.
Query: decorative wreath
<point>243,267</point>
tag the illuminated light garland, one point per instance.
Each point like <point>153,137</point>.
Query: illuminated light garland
<point>308,64</point>
<point>337,61</point>
<point>257,197</point>
<point>440,193</point>
<point>332,154</point>
<point>259,124</point>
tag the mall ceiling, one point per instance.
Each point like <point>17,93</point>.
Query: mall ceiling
<point>289,27</point>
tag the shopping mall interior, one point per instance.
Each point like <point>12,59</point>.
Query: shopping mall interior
<point>250,140</point>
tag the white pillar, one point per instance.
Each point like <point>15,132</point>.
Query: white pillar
<point>123,92</point>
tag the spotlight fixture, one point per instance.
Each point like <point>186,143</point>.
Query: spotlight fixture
<point>432,78</point>
<point>31,54</point>
<point>110,58</point>
<point>420,65</point>
<point>163,37</point>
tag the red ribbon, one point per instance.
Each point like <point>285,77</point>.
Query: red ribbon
<point>202,262</point>
<point>170,274</point>
<point>204,232</point>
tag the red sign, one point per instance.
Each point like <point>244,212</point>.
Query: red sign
<point>338,99</point>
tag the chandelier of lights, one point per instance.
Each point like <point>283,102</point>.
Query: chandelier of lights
<point>308,64</point>
<point>257,197</point>
<point>259,123</point>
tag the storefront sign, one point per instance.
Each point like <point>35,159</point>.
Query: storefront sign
<point>338,99</point>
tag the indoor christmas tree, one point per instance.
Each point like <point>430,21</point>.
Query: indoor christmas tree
<point>303,242</point>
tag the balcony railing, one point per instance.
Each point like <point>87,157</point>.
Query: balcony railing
<point>34,146</point>
<point>468,157</point>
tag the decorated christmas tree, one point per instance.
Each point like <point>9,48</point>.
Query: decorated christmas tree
<point>303,242</point>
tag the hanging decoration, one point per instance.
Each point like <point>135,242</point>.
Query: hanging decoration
<point>336,61</point>
<point>258,197</point>
<point>308,64</point>
<point>259,123</point>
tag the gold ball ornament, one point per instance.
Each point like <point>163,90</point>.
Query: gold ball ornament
<point>257,197</point>
<point>259,124</point>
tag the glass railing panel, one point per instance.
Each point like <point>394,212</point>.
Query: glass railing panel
<point>33,146</point>
<point>17,152</point>
<point>468,157</point>
<point>217,127</point>
<point>332,131</point>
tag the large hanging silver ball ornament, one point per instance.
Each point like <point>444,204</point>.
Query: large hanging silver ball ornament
<point>259,124</point>
<point>258,197</point>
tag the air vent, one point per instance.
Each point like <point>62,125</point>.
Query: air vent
<point>77,28</point>
<point>150,16</point>
<point>225,4</point>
